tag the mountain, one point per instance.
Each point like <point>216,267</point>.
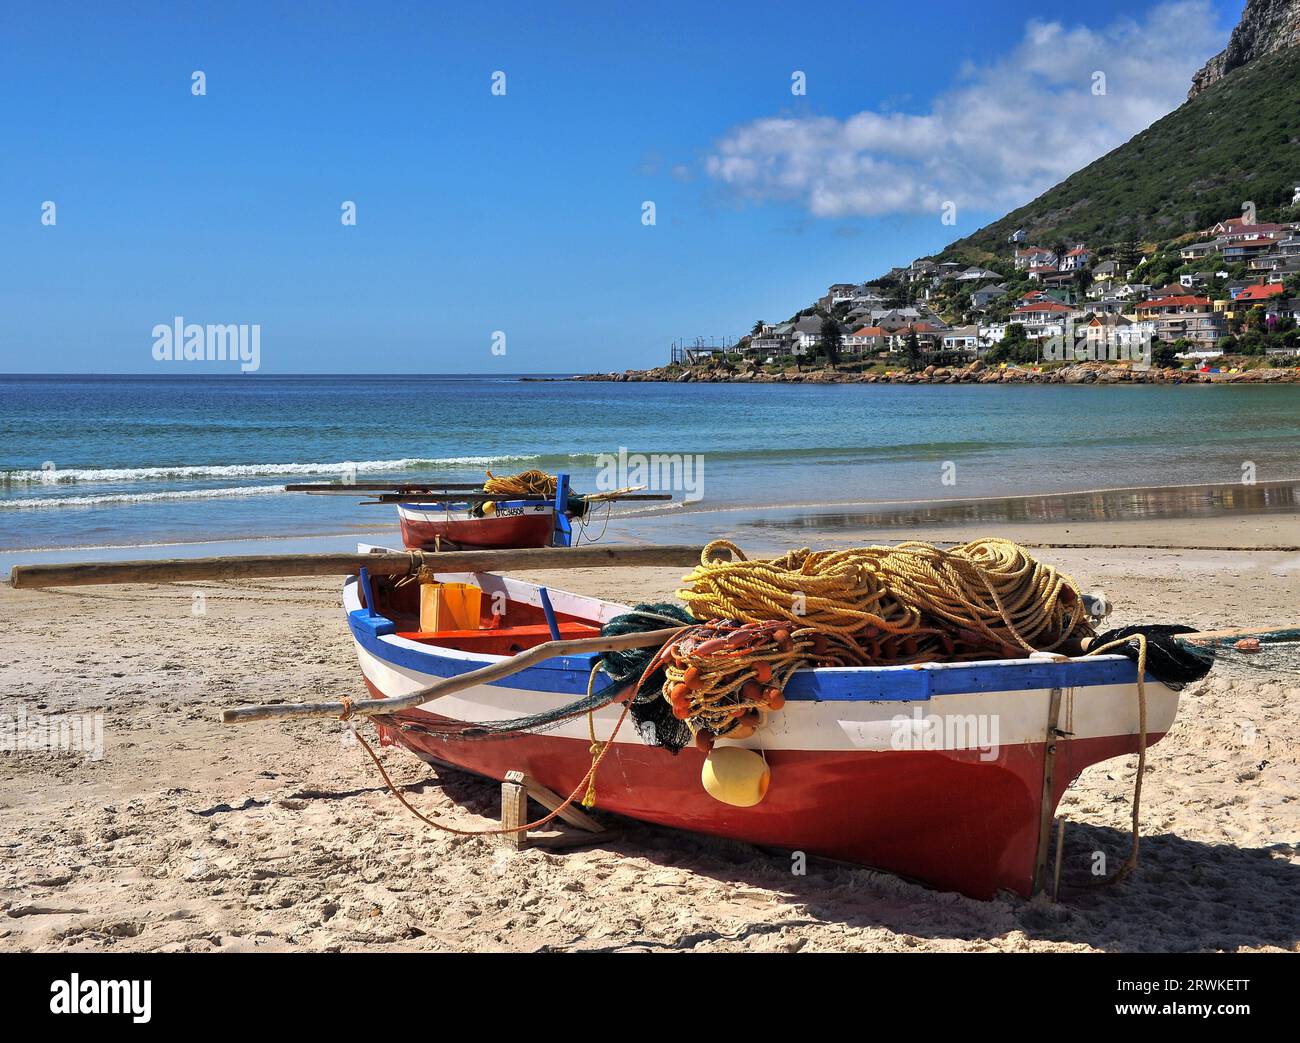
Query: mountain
<point>1234,140</point>
<point>1266,26</point>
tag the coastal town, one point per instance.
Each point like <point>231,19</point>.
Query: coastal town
<point>1222,302</point>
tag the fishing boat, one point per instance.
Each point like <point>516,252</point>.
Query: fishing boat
<point>429,526</point>
<point>539,512</point>
<point>948,773</point>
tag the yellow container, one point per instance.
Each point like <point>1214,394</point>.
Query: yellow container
<point>449,606</point>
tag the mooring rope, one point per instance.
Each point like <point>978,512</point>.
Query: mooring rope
<point>587,780</point>
<point>1130,863</point>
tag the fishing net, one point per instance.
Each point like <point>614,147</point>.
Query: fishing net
<point>1167,659</point>
<point>651,713</point>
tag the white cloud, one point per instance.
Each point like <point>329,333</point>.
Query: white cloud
<point>1008,131</point>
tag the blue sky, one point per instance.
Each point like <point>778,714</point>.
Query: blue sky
<point>522,213</point>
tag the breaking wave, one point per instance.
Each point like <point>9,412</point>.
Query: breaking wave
<point>183,472</point>
<point>40,502</point>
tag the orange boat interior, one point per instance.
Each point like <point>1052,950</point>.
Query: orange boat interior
<point>518,627</point>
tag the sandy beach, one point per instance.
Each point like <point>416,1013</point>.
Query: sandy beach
<point>187,835</point>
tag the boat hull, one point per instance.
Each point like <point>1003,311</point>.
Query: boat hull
<point>531,526</point>
<point>935,774</point>
<point>946,818</point>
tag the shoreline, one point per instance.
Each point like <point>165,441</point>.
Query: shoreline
<point>978,372</point>
<point>1110,505</point>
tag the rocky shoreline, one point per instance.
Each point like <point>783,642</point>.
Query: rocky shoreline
<point>975,373</point>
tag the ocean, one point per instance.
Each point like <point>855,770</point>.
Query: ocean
<point>152,461</point>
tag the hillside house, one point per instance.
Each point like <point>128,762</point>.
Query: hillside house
<point>1246,249</point>
<point>1258,294</point>
<point>1039,313</point>
<point>868,340</point>
<point>1116,337</point>
<point>1029,257</point>
<point>773,340</point>
<point>807,335</point>
<point>1197,251</point>
<point>1184,317</point>
<point>1076,259</point>
<point>977,274</point>
<point>961,338</point>
<point>986,295</point>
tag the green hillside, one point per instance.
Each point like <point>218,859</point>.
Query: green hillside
<point>1237,140</point>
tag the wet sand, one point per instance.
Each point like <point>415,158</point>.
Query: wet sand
<point>188,835</point>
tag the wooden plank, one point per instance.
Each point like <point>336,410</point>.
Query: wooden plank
<point>481,497</point>
<point>263,566</point>
<point>551,800</point>
<point>1049,781</point>
<point>350,488</point>
<point>449,685</point>
<point>1060,850</point>
<point>437,492</point>
<point>1265,635</point>
<point>564,841</point>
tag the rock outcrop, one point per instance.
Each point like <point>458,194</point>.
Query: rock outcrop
<point>974,373</point>
<point>1266,26</point>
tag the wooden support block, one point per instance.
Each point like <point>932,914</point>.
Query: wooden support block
<point>514,811</point>
<point>516,791</point>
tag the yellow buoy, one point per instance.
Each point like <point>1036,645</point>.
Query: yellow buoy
<point>735,776</point>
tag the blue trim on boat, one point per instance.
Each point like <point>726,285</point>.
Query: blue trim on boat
<point>464,505</point>
<point>568,675</point>
<point>362,622</point>
<point>563,674</point>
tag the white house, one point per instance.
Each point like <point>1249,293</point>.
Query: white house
<point>961,338</point>
<point>1076,258</point>
<point>1034,257</point>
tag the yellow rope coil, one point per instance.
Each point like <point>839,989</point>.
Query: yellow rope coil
<point>525,483</point>
<point>986,595</point>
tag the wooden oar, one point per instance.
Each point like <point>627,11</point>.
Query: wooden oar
<point>454,497</point>
<point>1264,635</point>
<point>349,488</point>
<point>388,563</point>
<point>484,675</point>
<point>469,492</point>
<point>578,646</point>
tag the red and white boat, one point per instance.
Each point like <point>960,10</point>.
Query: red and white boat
<point>426,526</point>
<point>451,525</point>
<point>946,773</point>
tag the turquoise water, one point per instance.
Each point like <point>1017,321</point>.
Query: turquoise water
<point>123,460</point>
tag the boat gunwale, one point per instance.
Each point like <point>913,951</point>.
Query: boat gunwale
<point>908,683</point>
